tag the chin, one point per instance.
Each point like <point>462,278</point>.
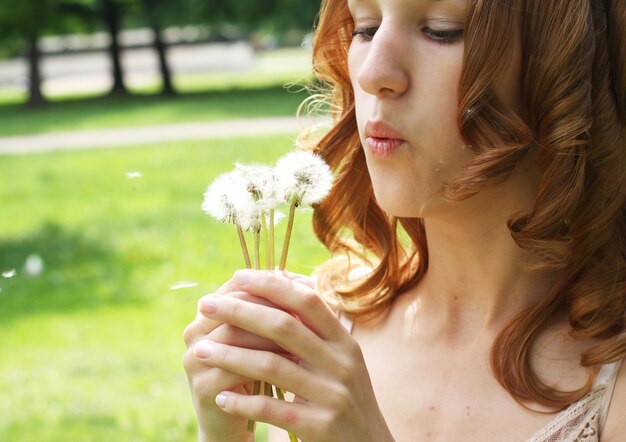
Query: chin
<point>398,207</point>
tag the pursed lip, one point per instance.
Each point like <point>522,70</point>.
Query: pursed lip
<point>381,139</point>
<point>380,130</point>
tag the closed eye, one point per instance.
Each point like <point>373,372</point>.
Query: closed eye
<point>444,37</point>
<point>364,34</point>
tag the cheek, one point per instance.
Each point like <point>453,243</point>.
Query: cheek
<point>354,63</point>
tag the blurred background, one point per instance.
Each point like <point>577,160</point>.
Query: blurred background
<point>115,115</point>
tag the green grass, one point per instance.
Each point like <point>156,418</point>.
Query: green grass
<point>146,110</point>
<point>91,349</point>
<point>272,87</point>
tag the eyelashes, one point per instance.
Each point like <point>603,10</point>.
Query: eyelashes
<point>364,34</point>
<point>441,37</point>
<point>444,37</point>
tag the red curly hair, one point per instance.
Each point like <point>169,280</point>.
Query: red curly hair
<point>574,123</point>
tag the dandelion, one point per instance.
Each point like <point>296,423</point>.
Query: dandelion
<point>303,179</point>
<point>227,199</point>
<point>248,197</point>
<point>263,187</point>
<point>9,274</point>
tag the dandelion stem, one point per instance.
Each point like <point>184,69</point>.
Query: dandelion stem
<point>257,249</point>
<point>271,244</point>
<point>266,241</point>
<point>244,247</point>
<point>283,257</point>
<point>268,389</point>
<point>255,391</point>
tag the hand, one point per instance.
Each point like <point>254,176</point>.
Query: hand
<point>326,371</point>
<point>205,383</point>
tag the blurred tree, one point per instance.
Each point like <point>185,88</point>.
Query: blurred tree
<point>22,23</point>
<point>276,16</point>
<point>112,15</point>
<point>157,12</point>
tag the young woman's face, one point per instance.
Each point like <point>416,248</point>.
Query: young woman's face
<point>405,63</point>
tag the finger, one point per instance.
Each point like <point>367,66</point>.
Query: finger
<point>227,287</point>
<point>199,328</point>
<point>239,294</point>
<point>202,326</point>
<point>299,278</point>
<point>231,335</point>
<point>270,323</point>
<point>297,298</point>
<point>262,365</point>
<point>295,418</point>
<point>207,382</point>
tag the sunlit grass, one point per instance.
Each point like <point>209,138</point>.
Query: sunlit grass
<point>148,110</point>
<point>91,349</point>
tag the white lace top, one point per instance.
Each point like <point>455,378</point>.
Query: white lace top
<point>583,420</point>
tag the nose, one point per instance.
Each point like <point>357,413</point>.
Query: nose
<point>384,70</point>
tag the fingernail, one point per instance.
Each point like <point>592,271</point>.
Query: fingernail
<point>243,277</point>
<point>207,305</point>
<point>220,400</point>
<point>202,350</point>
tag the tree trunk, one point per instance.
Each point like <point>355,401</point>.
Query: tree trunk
<point>111,15</point>
<point>164,67</point>
<point>35,97</point>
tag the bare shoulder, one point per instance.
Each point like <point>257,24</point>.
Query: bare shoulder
<point>615,426</point>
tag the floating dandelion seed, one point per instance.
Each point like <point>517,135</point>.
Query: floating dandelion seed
<point>183,285</point>
<point>133,175</point>
<point>33,265</point>
<point>9,273</point>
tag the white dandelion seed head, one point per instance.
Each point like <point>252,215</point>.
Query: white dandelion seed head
<point>303,176</point>
<point>9,273</point>
<point>249,215</point>
<point>133,175</point>
<point>228,200</point>
<point>225,195</point>
<point>262,184</point>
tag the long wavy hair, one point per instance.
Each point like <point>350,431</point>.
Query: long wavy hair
<point>574,124</point>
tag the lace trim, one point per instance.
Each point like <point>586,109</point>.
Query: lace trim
<point>577,423</point>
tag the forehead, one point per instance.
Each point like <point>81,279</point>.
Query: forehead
<point>409,4</point>
<point>414,2</point>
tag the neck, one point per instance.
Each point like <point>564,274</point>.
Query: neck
<point>478,277</point>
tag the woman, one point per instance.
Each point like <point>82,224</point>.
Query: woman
<point>493,133</point>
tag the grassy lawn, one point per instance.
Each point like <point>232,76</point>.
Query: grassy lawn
<point>91,349</point>
<point>146,110</point>
<point>267,89</point>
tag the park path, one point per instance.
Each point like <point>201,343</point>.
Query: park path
<point>119,137</point>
